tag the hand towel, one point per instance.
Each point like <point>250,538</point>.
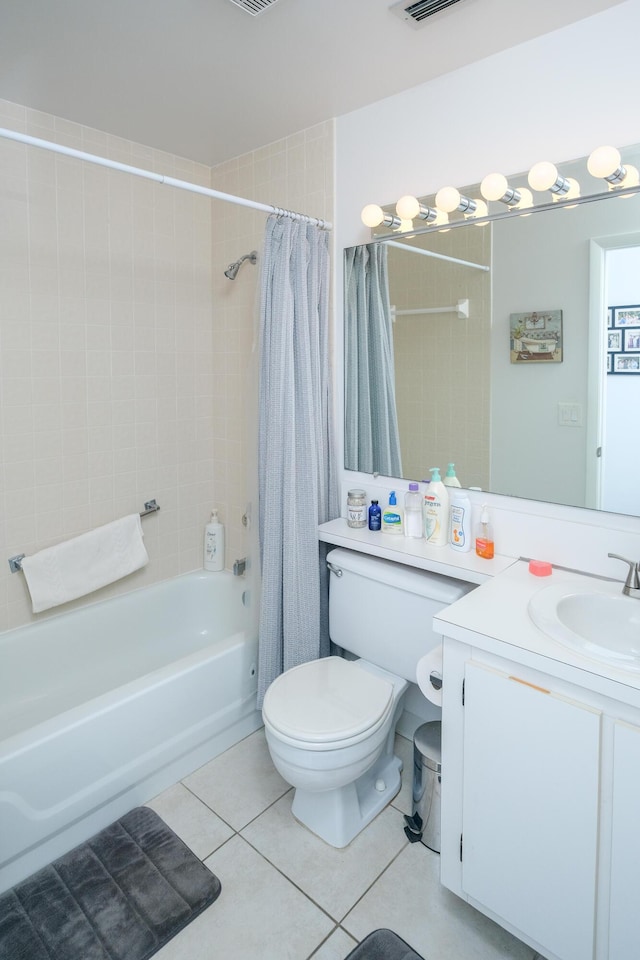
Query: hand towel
<point>76,567</point>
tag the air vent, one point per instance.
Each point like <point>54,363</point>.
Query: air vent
<point>255,7</point>
<point>418,12</point>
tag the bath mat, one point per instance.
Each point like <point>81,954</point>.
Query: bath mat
<point>120,896</point>
<point>383,945</point>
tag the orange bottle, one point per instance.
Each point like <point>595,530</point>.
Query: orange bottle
<point>484,536</point>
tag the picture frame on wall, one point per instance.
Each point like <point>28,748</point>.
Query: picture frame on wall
<point>623,339</point>
<point>536,337</point>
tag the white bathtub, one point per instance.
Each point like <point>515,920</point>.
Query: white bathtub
<point>104,707</point>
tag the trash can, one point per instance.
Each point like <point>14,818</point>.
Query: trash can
<point>424,824</point>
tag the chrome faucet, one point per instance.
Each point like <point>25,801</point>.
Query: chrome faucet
<point>632,583</point>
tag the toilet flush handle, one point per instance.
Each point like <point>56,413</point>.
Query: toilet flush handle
<point>334,569</point>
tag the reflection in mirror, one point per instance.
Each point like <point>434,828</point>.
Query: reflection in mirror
<point>515,415</point>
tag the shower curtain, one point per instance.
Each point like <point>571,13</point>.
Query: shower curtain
<point>296,473</point>
<point>372,441</point>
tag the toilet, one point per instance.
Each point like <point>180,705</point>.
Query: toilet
<point>330,723</point>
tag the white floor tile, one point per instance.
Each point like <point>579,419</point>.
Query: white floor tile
<point>200,828</point>
<point>410,900</point>
<point>259,915</point>
<point>334,879</point>
<point>337,947</point>
<point>240,783</point>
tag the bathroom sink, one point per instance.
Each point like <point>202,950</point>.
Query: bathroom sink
<point>596,619</point>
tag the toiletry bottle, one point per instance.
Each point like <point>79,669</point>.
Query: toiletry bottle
<point>356,508</point>
<point>214,543</point>
<point>413,512</point>
<point>436,510</point>
<point>450,479</point>
<point>460,521</point>
<point>392,516</point>
<point>484,535</point>
<point>375,516</point>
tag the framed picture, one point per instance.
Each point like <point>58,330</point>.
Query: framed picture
<point>626,316</point>
<point>614,340</point>
<point>610,317</point>
<point>609,363</point>
<point>536,337</point>
<point>631,340</point>
<point>626,363</point>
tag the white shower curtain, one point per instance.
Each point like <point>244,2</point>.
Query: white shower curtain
<point>297,483</point>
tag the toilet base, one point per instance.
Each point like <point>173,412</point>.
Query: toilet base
<point>337,816</point>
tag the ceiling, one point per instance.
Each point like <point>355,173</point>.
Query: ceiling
<point>205,80</point>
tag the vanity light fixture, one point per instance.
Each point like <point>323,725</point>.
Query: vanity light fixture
<point>572,193</point>
<point>481,210</point>
<point>410,208</point>
<point>495,186</point>
<point>449,199</point>
<point>374,216</point>
<point>526,199</point>
<point>544,176</point>
<point>606,163</point>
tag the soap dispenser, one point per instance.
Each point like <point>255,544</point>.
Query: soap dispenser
<point>450,479</point>
<point>392,516</point>
<point>436,510</point>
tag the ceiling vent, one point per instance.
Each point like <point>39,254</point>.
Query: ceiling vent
<point>418,12</point>
<point>255,7</point>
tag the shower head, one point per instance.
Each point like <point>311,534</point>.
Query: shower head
<point>232,270</point>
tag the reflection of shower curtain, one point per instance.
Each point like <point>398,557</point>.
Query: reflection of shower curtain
<point>372,442</point>
<point>297,483</point>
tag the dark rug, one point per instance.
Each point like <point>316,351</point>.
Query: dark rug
<point>120,896</point>
<point>383,945</point>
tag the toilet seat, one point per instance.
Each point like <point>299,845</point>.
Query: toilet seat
<point>327,703</point>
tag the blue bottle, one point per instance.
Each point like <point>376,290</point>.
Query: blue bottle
<point>375,516</point>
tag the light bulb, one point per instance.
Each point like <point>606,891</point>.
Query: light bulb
<point>481,210</point>
<point>406,226</point>
<point>494,186</point>
<point>632,179</point>
<point>408,207</point>
<point>448,199</point>
<point>542,176</point>
<point>526,199</point>
<point>372,215</point>
<point>606,163</point>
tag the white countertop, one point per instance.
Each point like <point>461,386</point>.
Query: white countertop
<point>494,618</point>
<point>413,553</point>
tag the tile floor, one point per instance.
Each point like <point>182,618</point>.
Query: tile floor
<point>286,895</point>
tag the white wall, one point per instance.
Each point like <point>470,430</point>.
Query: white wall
<point>548,98</point>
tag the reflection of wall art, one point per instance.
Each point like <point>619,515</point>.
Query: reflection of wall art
<point>536,336</point>
<point>626,363</point>
<point>623,339</point>
<point>614,340</point>
<point>610,317</point>
<point>626,316</point>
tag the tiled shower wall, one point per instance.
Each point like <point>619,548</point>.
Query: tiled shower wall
<point>124,351</point>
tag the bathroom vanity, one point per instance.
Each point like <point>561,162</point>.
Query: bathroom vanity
<point>541,768</point>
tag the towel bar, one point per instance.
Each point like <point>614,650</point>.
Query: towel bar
<point>15,563</point>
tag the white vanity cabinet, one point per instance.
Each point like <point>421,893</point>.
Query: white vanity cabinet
<point>540,805</point>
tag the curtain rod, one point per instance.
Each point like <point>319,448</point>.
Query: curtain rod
<point>436,256</point>
<point>159,177</point>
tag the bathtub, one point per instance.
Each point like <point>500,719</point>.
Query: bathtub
<point>104,707</point>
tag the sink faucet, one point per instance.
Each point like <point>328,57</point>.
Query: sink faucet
<point>632,584</point>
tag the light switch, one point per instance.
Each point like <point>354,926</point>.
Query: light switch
<point>570,414</point>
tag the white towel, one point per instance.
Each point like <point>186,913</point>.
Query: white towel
<point>86,563</point>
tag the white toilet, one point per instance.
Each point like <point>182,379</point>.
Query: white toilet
<point>330,724</point>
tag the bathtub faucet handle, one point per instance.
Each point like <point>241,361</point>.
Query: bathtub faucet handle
<point>239,567</point>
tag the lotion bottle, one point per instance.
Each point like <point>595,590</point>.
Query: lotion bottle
<point>214,544</point>
<point>460,522</point>
<point>375,516</point>
<point>436,510</point>
<point>450,479</point>
<point>392,516</point>
<point>413,512</point>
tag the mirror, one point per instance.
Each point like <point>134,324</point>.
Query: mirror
<point>512,352</point>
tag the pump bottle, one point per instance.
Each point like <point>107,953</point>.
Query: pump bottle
<point>450,479</point>
<point>436,510</point>
<point>484,536</point>
<point>392,516</point>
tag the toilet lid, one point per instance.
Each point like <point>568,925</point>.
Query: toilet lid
<point>326,700</point>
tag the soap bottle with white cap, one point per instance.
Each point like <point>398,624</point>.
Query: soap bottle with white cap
<point>214,544</point>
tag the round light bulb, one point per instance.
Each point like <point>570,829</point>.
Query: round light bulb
<point>372,215</point>
<point>448,199</point>
<point>405,226</point>
<point>604,161</point>
<point>494,186</point>
<point>632,178</point>
<point>542,176</point>
<point>526,199</point>
<point>408,207</point>
<point>481,210</point>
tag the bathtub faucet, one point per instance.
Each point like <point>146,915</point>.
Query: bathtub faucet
<point>239,567</point>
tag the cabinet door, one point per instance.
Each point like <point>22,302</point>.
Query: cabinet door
<point>624,929</point>
<point>530,809</point>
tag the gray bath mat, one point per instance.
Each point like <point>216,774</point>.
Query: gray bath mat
<point>383,945</point>
<point>120,896</point>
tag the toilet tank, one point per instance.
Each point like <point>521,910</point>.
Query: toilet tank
<point>382,611</point>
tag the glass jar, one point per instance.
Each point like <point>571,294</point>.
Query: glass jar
<point>357,508</point>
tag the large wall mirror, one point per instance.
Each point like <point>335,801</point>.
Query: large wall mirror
<point>508,344</point>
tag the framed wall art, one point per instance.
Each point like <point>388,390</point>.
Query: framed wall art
<point>623,339</point>
<point>536,337</point>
